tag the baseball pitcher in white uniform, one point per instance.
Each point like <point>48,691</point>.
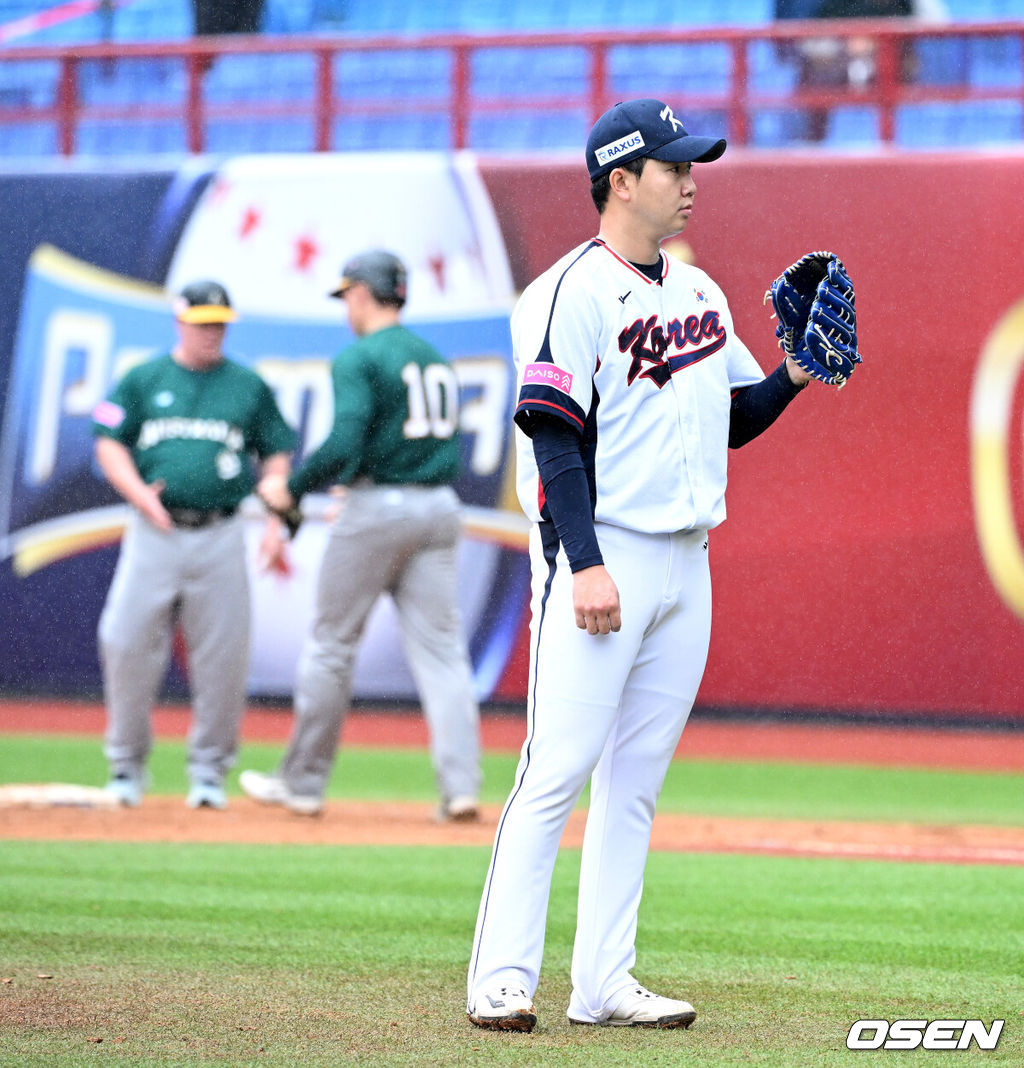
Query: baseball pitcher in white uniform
<point>632,387</point>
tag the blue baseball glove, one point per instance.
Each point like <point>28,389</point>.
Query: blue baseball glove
<point>814,303</point>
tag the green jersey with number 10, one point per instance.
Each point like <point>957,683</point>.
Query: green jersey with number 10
<point>396,416</point>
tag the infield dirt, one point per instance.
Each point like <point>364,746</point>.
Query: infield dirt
<point>392,823</point>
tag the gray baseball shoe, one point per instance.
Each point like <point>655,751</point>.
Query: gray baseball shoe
<point>270,790</point>
<point>125,789</point>
<point>207,795</point>
<point>504,1008</point>
<point>641,1008</point>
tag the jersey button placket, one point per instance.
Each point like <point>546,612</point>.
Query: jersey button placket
<point>686,423</point>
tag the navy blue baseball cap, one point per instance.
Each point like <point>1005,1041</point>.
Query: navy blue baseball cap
<point>645,127</point>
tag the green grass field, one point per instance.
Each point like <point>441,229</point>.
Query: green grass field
<point>708,787</point>
<point>169,954</point>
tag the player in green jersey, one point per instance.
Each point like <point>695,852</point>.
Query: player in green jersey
<point>394,447</point>
<point>176,438</point>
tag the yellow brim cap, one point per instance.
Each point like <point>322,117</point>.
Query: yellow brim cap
<point>207,313</point>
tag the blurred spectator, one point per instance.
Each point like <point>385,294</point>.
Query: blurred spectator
<point>216,17</point>
<point>848,62</point>
<point>796,9</point>
<point>228,16</point>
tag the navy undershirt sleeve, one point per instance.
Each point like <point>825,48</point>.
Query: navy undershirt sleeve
<point>556,446</point>
<point>755,408</point>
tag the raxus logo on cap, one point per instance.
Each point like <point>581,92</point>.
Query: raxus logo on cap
<point>646,127</point>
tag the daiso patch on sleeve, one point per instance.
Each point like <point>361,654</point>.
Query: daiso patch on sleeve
<point>108,414</point>
<point>547,374</point>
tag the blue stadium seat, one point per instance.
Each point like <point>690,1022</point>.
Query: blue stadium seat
<point>274,135</point>
<point>154,20</point>
<point>984,10</point>
<point>638,14</point>
<point>584,14</point>
<point>509,133</point>
<point>852,126</point>
<point>641,69</point>
<point>124,82</point>
<point>330,15</point>
<point>232,78</point>
<point>972,10</point>
<point>371,16</point>
<point>483,16</point>
<point>529,131</point>
<point>921,125</point>
<point>994,61</point>
<point>363,74</point>
<point>560,130</point>
<point>288,16</point>
<point>490,71</point>
<point>409,131</point>
<point>402,74</point>
<point>698,13</point>
<point>248,76</point>
<point>990,122</point>
<point>941,60</point>
<point>750,12</point>
<point>535,15</point>
<point>108,139</point>
<point>420,132</point>
<point>529,71</point>
<point>474,16</point>
<point>445,17</point>
<point>709,122</point>
<point>775,128</point>
<point>972,123</point>
<point>29,83</point>
<point>27,139</point>
<point>769,71</point>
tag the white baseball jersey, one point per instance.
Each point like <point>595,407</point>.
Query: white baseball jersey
<point>644,371</point>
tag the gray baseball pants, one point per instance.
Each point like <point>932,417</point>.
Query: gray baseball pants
<point>198,579</point>
<point>399,540</point>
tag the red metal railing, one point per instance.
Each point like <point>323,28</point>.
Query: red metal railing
<point>886,92</point>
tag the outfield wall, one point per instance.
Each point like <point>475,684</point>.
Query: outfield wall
<point>872,561</point>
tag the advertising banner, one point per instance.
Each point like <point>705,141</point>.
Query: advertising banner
<point>275,231</point>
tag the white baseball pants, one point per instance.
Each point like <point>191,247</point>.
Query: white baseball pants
<point>609,708</point>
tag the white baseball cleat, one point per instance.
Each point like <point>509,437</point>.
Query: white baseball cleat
<point>641,1008</point>
<point>504,1008</point>
<point>207,795</point>
<point>125,790</point>
<point>270,790</point>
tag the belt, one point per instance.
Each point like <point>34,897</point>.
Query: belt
<point>196,518</point>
